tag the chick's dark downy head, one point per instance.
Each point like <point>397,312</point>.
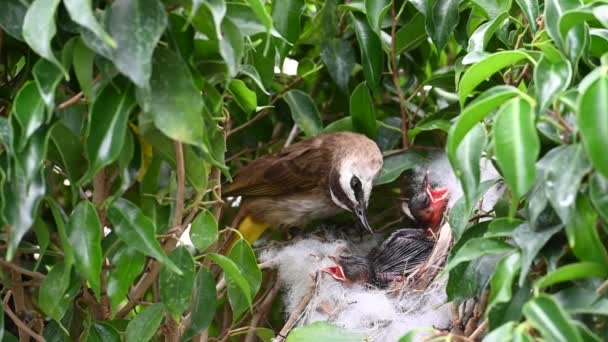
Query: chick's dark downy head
<point>349,269</point>
<point>428,204</point>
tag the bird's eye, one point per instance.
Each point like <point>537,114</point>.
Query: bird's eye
<point>355,183</point>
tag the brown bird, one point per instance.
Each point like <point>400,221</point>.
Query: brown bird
<point>391,261</point>
<point>310,180</point>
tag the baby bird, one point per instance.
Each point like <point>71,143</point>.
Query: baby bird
<point>427,206</point>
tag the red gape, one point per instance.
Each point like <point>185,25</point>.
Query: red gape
<point>439,201</point>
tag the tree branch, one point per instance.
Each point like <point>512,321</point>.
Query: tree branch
<point>395,75</point>
<point>293,318</point>
<point>22,270</point>
<point>18,322</point>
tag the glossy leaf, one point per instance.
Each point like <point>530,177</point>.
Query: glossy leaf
<point>395,165</point>
<point>29,111</point>
<point>582,233</point>
<point>475,112</point>
<point>549,318</point>
<point>144,325</point>
<point>477,247</point>
<point>137,231</point>
<point>242,255</point>
<point>592,119</point>
<point>83,68</point>
<point>371,50</point>
<point>411,34</point>
<point>101,332</point>
<point>286,20</point>
<point>304,112</point>
<point>598,193</point>
<point>572,272</point>
<point>530,242</point>
<point>39,29</point>
<point>516,145</point>
<point>231,46</point>
<point>244,97</point>
<point>375,10</point>
<point>485,68</point>
<point>502,280</point>
<point>323,331</point>
<point>12,13</point>
<point>81,12</point>
<point>47,77</point>
<point>203,304</point>
<point>550,78</point>
<point>442,21</point>
<point>339,57</point>
<point>574,43</point>
<point>480,38</point>
<point>107,127</point>
<point>258,8</point>
<point>234,278</point>
<point>203,232</point>
<point>127,264</point>
<point>84,233</point>
<point>362,111</point>
<point>466,162</point>
<point>176,290</point>
<point>172,99</point>
<point>53,288</point>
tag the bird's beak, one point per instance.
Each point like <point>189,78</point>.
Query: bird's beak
<point>336,272</point>
<point>438,194</point>
<point>361,212</point>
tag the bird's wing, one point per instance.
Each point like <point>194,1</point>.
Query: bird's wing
<point>296,169</point>
<point>401,253</point>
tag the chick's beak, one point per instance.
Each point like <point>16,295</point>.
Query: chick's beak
<point>360,212</point>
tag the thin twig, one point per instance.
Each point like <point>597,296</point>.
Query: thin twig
<point>291,321</point>
<point>19,323</point>
<point>395,74</point>
<point>521,75</point>
<point>292,135</point>
<point>479,331</point>
<point>602,288</point>
<point>22,270</point>
<point>74,99</point>
<point>264,307</point>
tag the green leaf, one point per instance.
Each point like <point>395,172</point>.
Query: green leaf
<point>394,166</point>
<point>339,57</point>
<point>12,13</point>
<point>485,68</point>
<point>592,119</point>
<point>598,193</point>
<point>371,50</point>
<point>572,272</point>
<point>203,232</point>
<point>441,22</point>
<point>47,77</point>
<point>83,68</point>
<point>52,290</point>
<point>582,233</point>
<point>362,111</point>
<point>323,331</point>
<point>502,280</point>
<point>39,29</point>
<point>475,112</point>
<point>480,38</point>
<point>304,112</point>
<point>242,255</point>
<point>551,77</point>
<point>516,145</point>
<point>244,97</point>
<point>466,162</point>
<point>70,151</point>
<point>231,46</point>
<point>60,222</point>
<point>84,233</point>
<point>504,333</point>
<point>137,231</point>
<point>375,10</point>
<point>176,290</point>
<point>203,304</point>
<point>107,127</point>
<point>252,73</point>
<point>29,111</point>
<point>173,100</point>
<point>133,56</point>
<point>562,169</point>
<point>548,317</point>
<point>286,19</point>
<point>572,45</point>
<point>530,242</point>
<point>410,35</point>
<point>344,124</point>
<point>234,278</point>
<point>81,12</point>
<point>530,9</point>
<point>144,325</point>
<point>476,248</point>
<point>260,11</point>
<point>101,332</point>
<point>127,264</point>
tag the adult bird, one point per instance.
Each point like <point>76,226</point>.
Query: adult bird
<point>392,260</point>
<point>313,179</point>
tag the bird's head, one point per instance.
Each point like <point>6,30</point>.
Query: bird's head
<point>428,204</point>
<point>351,183</point>
<point>348,269</point>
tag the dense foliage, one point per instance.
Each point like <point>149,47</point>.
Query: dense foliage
<point>121,119</point>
